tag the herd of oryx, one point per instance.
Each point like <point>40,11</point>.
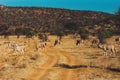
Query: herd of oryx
<point>20,49</point>
<point>96,42</point>
<point>106,47</point>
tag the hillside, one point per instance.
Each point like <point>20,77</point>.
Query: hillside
<point>28,52</point>
<point>47,18</point>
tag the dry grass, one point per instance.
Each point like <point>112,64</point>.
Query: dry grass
<point>40,65</point>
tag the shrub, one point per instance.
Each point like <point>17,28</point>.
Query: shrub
<point>105,33</point>
<point>84,34</point>
<point>72,26</point>
<point>3,29</point>
<point>43,36</point>
<point>18,32</point>
<point>40,35</point>
<point>29,32</point>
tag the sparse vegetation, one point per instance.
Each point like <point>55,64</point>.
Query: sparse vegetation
<point>18,32</point>
<point>84,34</point>
<point>36,64</point>
<point>72,27</point>
<point>48,19</point>
<point>43,36</point>
<point>3,29</point>
<point>62,22</point>
<point>30,33</point>
<point>105,33</point>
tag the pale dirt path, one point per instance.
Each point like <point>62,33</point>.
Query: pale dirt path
<point>69,73</point>
<point>49,65</point>
<point>39,72</point>
<point>54,54</point>
<point>65,74</point>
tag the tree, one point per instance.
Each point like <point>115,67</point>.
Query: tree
<point>6,34</point>
<point>40,35</point>
<point>18,32</point>
<point>43,36</point>
<point>84,34</point>
<point>72,26</point>
<point>60,34</point>
<point>3,29</point>
<point>105,33</point>
<point>29,32</point>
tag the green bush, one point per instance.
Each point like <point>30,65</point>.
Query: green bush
<point>72,26</point>
<point>30,32</point>
<point>84,34</point>
<point>43,36</point>
<point>3,29</point>
<point>40,35</point>
<point>105,33</point>
<point>18,32</point>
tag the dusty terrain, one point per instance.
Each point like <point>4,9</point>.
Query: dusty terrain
<point>62,62</point>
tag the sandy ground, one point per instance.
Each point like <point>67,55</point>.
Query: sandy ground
<point>46,64</point>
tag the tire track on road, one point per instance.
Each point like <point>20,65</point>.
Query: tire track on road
<point>42,70</point>
<point>56,53</point>
<point>72,61</point>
